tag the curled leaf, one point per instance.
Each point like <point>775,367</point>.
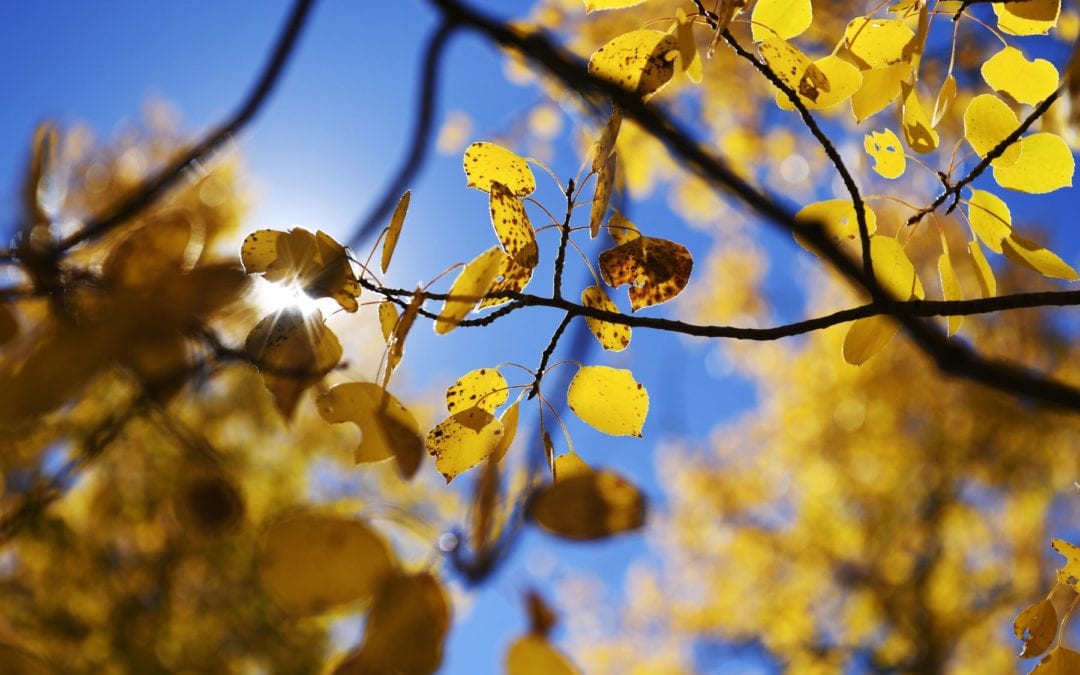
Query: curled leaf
<point>388,428</point>
<point>512,226</point>
<point>605,182</point>
<point>393,231</point>
<point>656,269</point>
<point>609,400</point>
<point>983,272</point>
<point>606,143</point>
<point>471,285</point>
<point>918,131</point>
<point>588,506</point>
<point>612,336</point>
<point>509,421</point>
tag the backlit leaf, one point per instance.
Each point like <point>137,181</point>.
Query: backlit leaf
<point>888,154</point>
<point>918,132</point>
<point>621,229</point>
<point>1036,258</point>
<point>780,18</point>
<point>311,562</point>
<point>795,69</point>
<point>987,122</point>
<point>639,61</point>
<point>866,337</point>
<point>609,400</point>
<point>471,284</point>
<point>601,5</point>
<point>990,218</point>
<point>612,336</point>
<point>1060,661</point>
<point>893,269</point>
<point>483,388</point>
<point>534,655</point>
<point>511,277</point>
<point>656,269</point>
<point>509,420</point>
<point>945,99</point>
<point>983,272</point>
<point>1045,164</point>
<point>393,231</point>
<point>1009,72</point>
<point>463,440</point>
<point>1031,17</point>
<point>401,330</point>
<point>605,181</point>
<point>292,351</point>
<point>880,87</point>
<point>588,506</point>
<point>315,262</point>
<point>838,217</point>
<point>876,43</point>
<point>689,58</point>
<point>1036,626</point>
<point>405,629</point>
<point>569,465</point>
<point>950,288</point>
<point>388,428</point>
<point>149,254</point>
<point>487,163</point>
<point>1070,573</point>
<point>388,318</point>
<point>843,81</point>
<point>604,145</point>
<point>512,226</point>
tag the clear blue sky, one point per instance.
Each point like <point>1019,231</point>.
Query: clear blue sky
<point>321,151</point>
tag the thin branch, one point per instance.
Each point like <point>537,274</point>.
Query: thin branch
<point>548,351</point>
<point>564,237</point>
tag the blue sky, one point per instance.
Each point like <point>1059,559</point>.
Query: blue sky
<point>321,151</point>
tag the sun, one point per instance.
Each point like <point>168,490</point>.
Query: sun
<point>271,297</point>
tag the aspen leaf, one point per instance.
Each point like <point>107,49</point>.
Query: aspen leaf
<point>405,629</point>
<point>795,69</point>
<point>512,226</point>
<point>780,18</point>
<point>689,58</point>
<point>1031,17</point>
<point>945,99</point>
<point>656,269</point>
<point>611,336</point>
<point>880,87</point>
<point>1036,258</point>
<point>487,163</point>
<point>311,562</point>
<point>876,43</point>
<point>388,318</point>
<point>483,388</point>
<point>918,132</point>
<point>888,154</point>
<point>401,330</point>
<point>1070,573</point>
<point>1060,661</point>
<point>315,262</point>
<point>1009,72</point>
<point>983,272</point>
<point>1045,164</point>
<point>609,400</point>
<point>638,61</point>
<point>471,284</point>
<point>292,351</point>
<point>605,181</point>
<point>511,278</point>
<point>463,440</point>
<point>988,121</point>
<point>866,337</point>
<point>950,288</point>
<point>588,506</point>
<point>393,231</point>
<point>509,421</point>
<point>990,218</point>
<point>893,269</point>
<point>150,254</point>
<point>388,428</point>
<point>843,81</point>
<point>569,465</point>
<point>534,655</point>
<point>606,143</point>
<point>1036,626</point>
<point>601,5</point>
<point>838,217</point>
<point>621,229</point>
<point>485,499</point>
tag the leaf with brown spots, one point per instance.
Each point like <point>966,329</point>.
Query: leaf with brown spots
<point>641,61</point>
<point>512,226</point>
<point>402,327</point>
<point>315,262</point>
<point>621,229</point>
<point>588,506</point>
<point>512,277</point>
<point>1036,626</point>
<point>487,163</point>
<point>656,269</point>
<point>606,143</point>
<point>463,440</point>
<point>612,336</point>
<point>393,231</point>
<point>483,388</point>
<point>794,68</point>
<point>605,182</point>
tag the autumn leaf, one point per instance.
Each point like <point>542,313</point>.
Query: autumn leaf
<point>878,43</point>
<point>1060,661</point>
<point>474,281</point>
<point>393,231</point>
<point>609,400</point>
<point>1045,164</point>
<point>888,154</point>
<point>487,163</point>
<point>656,269</point>
<point>639,61</point>
<point>389,429</point>
<point>1032,17</point>
<point>606,143</point>
<point>988,121</point>
<point>314,262</point>
<point>483,388</point>
<point>512,226</point>
<point>605,181</point>
<point>588,506</point>
<point>1036,626</point>
<point>1009,72</point>
<point>780,18</point>
<point>463,440</point>
<point>611,336</point>
<point>534,655</point>
<point>569,465</point>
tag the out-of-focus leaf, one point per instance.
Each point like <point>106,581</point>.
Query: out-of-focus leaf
<point>483,388</point>
<point>601,5</point>
<point>609,400</point>
<point>315,262</point>
<point>487,163</point>
<point>611,336</point>
<point>605,181</point>
<point>472,283</point>
<point>983,272</point>
<point>401,331</point>
<point>512,226</point>
<point>1036,626</point>
<point>656,269</point>
<point>393,231</point>
<point>689,58</point>
<point>604,145</point>
<point>1060,661</point>
<point>463,440</point>
<point>1045,164</point>
<point>888,154</point>
<point>534,655</point>
<point>388,428</point>
<point>42,162</point>
<point>569,465</point>
<point>9,327</point>
<point>639,61</point>
<point>150,254</point>
<point>780,18</point>
<point>588,506</point>
<point>311,562</point>
<point>509,421</point>
<point>15,661</point>
<point>1070,573</point>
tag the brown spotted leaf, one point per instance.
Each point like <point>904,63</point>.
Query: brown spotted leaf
<point>1036,626</point>
<point>612,336</point>
<point>656,269</point>
<point>511,277</point>
<point>463,440</point>
<point>483,388</point>
<point>512,226</point>
<point>641,61</point>
<point>487,163</point>
<point>393,231</point>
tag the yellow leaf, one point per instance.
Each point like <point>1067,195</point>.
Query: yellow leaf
<point>512,226</point>
<point>533,655</point>
<point>1060,661</point>
<point>601,5</point>
<point>656,269</point>
<point>950,288</point>
<point>150,254</point>
<point>983,272</point>
<point>1045,164</point>
<point>621,229</point>
<point>588,506</point>
<point>603,146</point>
<point>292,351</point>
<point>838,217</point>
<point>795,69</point>
<point>689,58</point>
<point>780,18</point>
<point>637,61</point>
<point>487,163</point>
<point>393,231</point>
<point>945,99</point>
<point>843,80</point>
<point>990,218</point>
<point>987,122</point>
<point>612,336</point>
<point>509,421</point>
<point>1070,573</point>
<point>405,629</point>
<point>918,132</point>
<point>893,269</point>
<point>463,440</point>
<point>1031,17</point>
<point>569,465</point>
<point>605,181</point>
<point>471,284</point>
<point>876,43</point>
<point>483,388</point>
<point>311,562</point>
<point>880,86</point>
<point>887,152</point>
<point>1036,258</point>
<point>401,330</point>
<point>1036,626</point>
<point>511,277</point>
<point>314,262</point>
<point>1008,72</point>
<point>866,337</point>
<point>388,428</point>
<point>388,318</point>
<point>609,400</point>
